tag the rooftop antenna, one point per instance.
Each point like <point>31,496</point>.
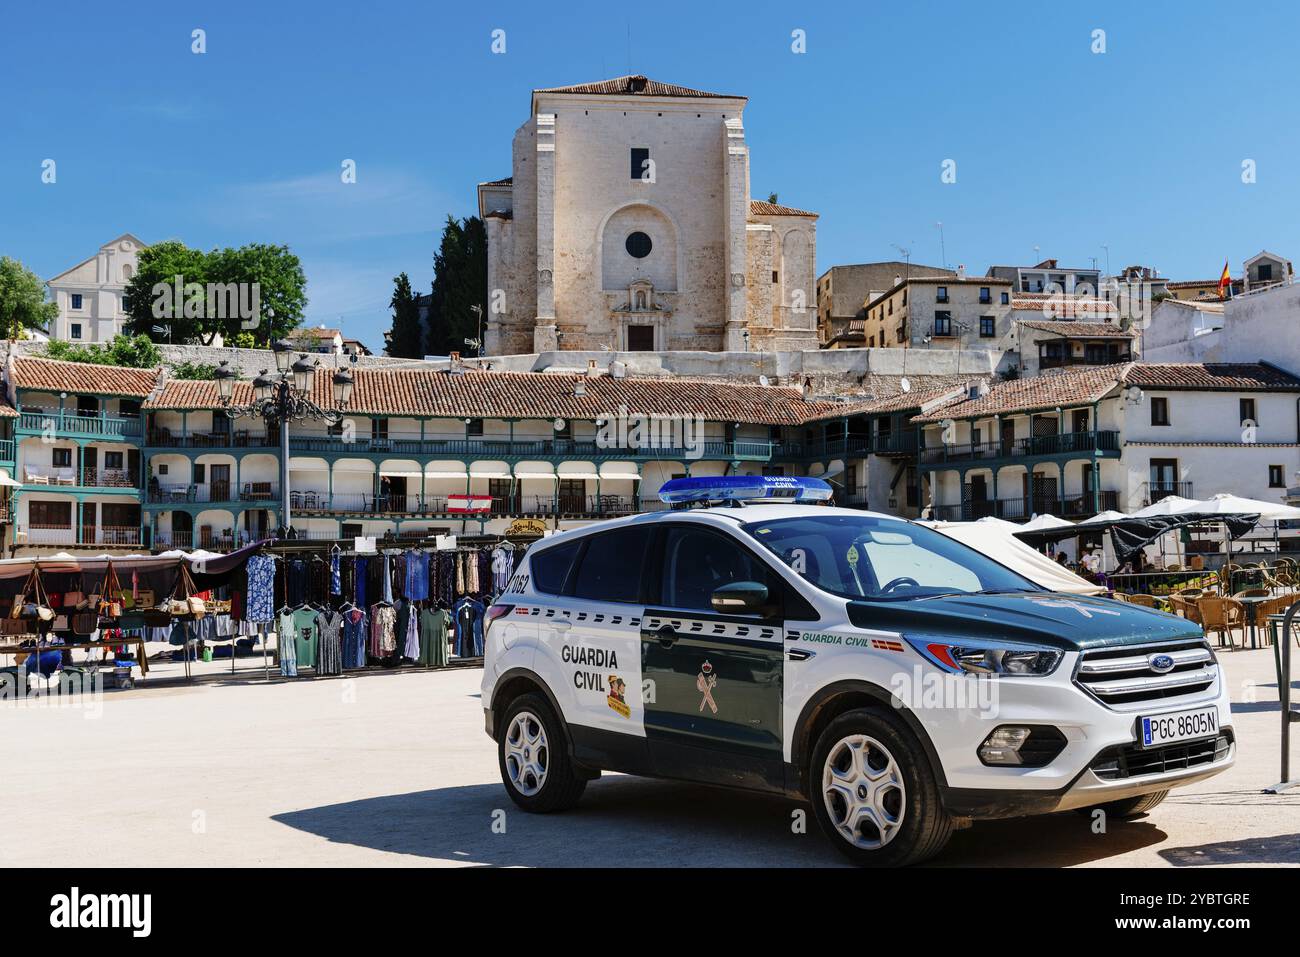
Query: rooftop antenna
<point>943,254</point>
<point>907,259</point>
<point>1107,248</point>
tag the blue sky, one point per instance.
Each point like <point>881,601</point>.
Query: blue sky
<point>1139,148</point>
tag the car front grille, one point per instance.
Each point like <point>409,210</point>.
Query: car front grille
<point>1124,676</point>
<point>1131,761</point>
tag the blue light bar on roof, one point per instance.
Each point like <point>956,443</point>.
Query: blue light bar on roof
<point>743,488</point>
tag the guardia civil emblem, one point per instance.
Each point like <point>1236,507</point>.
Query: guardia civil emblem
<point>705,681</point>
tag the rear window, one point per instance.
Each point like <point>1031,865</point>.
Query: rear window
<point>612,565</point>
<point>550,567</point>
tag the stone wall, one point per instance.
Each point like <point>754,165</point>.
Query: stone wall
<point>248,362</point>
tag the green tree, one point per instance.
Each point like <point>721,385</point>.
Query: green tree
<point>22,300</point>
<point>193,370</point>
<point>135,352</point>
<point>217,293</point>
<point>405,341</point>
<point>459,284</point>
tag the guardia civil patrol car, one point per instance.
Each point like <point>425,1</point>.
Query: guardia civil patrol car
<point>899,681</point>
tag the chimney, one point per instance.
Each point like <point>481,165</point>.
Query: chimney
<point>579,388</point>
<point>456,364</point>
<point>898,280</point>
<point>618,369</point>
<point>961,270</point>
<point>592,371</point>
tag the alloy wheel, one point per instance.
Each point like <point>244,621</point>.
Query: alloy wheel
<point>526,753</point>
<point>863,788</point>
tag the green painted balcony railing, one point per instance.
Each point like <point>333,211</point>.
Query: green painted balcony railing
<point>415,445</point>
<point>1065,443</point>
<point>1021,509</point>
<point>69,422</point>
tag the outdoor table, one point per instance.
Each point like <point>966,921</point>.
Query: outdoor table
<point>1252,604</point>
<point>142,659</point>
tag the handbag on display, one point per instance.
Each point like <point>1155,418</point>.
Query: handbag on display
<point>107,601</point>
<point>32,603</point>
<point>85,623</point>
<point>183,602</point>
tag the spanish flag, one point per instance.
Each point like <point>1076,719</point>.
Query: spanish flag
<point>1225,282</point>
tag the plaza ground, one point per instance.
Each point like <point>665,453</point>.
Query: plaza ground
<point>393,769</point>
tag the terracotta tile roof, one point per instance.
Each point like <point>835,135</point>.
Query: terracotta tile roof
<point>635,85</point>
<point>1212,376</point>
<point>1082,330</point>
<point>1066,388</point>
<point>435,393</point>
<point>314,333</point>
<point>761,208</point>
<point>7,411</point>
<point>1051,306</point>
<point>914,399</point>
<point>53,375</point>
<point>1193,283</point>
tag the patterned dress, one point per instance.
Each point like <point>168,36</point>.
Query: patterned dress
<point>329,650</point>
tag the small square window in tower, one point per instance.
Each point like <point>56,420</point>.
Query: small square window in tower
<point>640,338</point>
<point>640,161</point>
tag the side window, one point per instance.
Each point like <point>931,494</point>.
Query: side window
<point>550,567</point>
<point>697,561</point>
<point>612,564</point>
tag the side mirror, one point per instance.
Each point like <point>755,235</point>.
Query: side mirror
<point>741,598</point>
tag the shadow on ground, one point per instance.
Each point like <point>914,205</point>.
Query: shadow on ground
<point>637,822</point>
<point>1282,849</point>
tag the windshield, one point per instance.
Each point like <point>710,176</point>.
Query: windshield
<point>882,559</point>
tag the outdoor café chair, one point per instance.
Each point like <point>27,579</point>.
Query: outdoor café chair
<point>1185,607</point>
<point>1147,601</point>
<point>1221,615</point>
<point>1252,593</point>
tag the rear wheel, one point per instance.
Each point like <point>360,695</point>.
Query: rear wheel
<point>534,761</point>
<point>873,792</point>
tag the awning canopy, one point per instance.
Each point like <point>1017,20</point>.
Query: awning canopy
<point>620,470</point>
<point>992,538</point>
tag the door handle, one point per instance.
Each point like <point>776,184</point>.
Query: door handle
<point>798,654</point>
<point>561,624</point>
<point>664,634</point>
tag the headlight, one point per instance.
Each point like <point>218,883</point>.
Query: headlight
<point>973,657</point>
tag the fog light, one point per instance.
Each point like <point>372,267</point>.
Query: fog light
<point>1003,746</point>
<point>1026,746</point>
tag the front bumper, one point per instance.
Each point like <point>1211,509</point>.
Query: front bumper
<point>1105,779</point>
<point>1100,761</point>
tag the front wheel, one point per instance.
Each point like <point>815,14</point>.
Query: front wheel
<point>874,793</point>
<point>1129,807</point>
<point>534,762</point>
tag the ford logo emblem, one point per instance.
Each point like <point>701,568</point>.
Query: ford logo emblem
<point>1161,664</point>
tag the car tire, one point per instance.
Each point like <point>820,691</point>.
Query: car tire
<point>1129,807</point>
<point>534,758</point>
<point>874,793</point>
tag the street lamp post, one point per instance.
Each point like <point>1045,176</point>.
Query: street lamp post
<point>281,397</point>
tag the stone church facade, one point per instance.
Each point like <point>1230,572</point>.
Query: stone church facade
<point>627,225</point>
